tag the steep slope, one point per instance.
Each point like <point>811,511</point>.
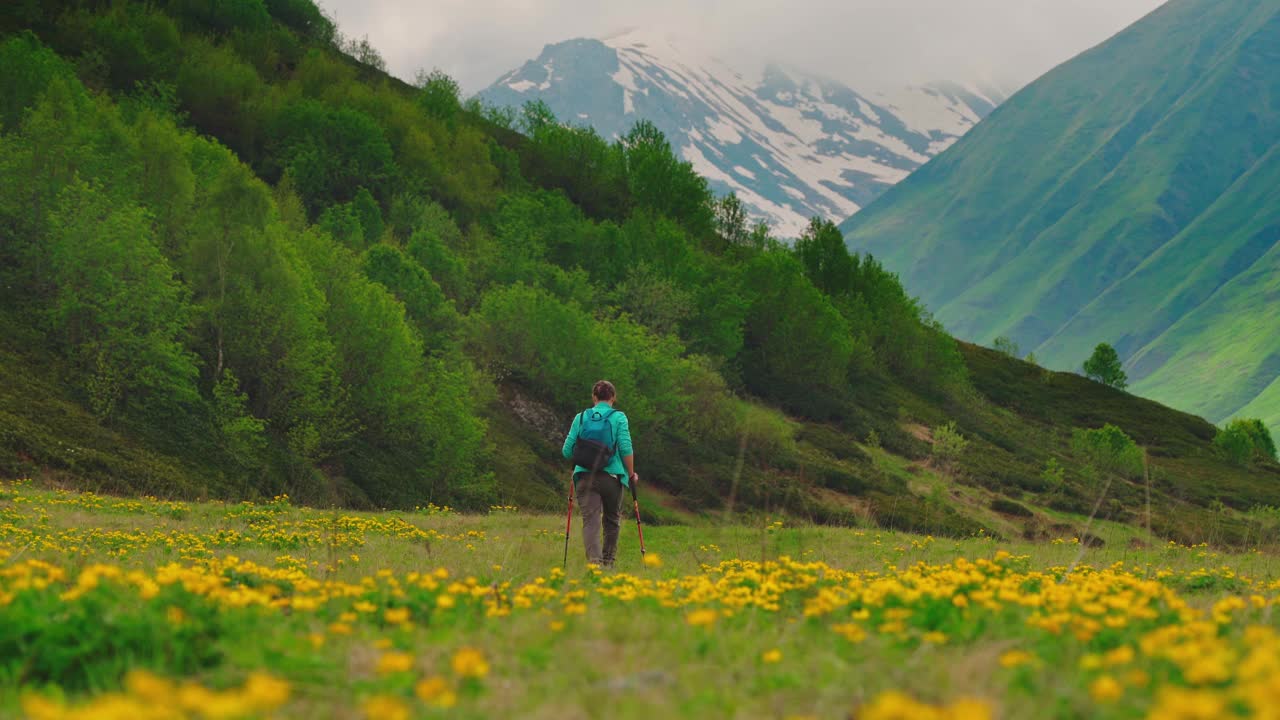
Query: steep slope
<point>791,144</point>
<point>1129,196</point>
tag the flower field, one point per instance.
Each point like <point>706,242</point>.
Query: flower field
<point>141,609</point>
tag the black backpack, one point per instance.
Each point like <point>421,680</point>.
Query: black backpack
<point>592,451</point>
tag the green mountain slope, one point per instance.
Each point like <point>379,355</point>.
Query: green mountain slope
<point>1128,196</point>
<point>240,260</point>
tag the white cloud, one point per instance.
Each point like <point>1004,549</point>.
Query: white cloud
<point>867,43</point>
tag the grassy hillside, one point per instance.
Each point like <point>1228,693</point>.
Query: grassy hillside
<point>1129,197</point>
<point>246,262</point>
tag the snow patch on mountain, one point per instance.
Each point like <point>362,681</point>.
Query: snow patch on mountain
<point>790,143</point>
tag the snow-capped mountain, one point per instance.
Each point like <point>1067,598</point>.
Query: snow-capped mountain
<point>791,144</point>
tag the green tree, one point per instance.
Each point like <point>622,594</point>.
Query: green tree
<point>222,16</point>
<point>133,43</point>
<point>118,308</point>
<point>413,410</point>
<point>29,69</point>
<point>655,301</point>
<point>439,94</point>
<point>1005,344</point>
<point>796,344</point>
<point>304,17</point>
<point>243,435</point>
<point>218,89</point>
<point>661,182</point>
<point>732,221</point>
<point>1104,367</point>
<point>826,260</point>
<point>432,314</point>
<point>369,214</point>
<point>528,335</point>
<point>332,153</point>
<point>430,251</point>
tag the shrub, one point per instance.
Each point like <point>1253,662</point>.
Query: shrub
<point>767,432</point>
<point>1005,344</point>
<point>1009,507</point>
<point>1053,475</point>
<point>1244,440</point>
<point>1108,450</point>
<point>948,445</point>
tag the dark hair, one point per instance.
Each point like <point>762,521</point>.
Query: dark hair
<point>604,390</point>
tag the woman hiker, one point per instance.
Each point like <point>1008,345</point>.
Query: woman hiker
<point>599,443</point>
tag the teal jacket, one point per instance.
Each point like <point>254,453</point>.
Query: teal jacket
<point>622,438</point>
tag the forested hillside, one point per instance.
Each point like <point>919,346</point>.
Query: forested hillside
<point>239,260</point>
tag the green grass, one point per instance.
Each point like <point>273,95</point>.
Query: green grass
<point>639,658</point>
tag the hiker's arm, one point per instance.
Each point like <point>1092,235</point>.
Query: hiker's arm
<point>624,446</point>
<point>571,439</point>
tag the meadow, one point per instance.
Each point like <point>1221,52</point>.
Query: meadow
<point>143,608</point>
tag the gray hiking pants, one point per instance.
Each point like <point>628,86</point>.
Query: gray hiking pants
<point>600,497</point>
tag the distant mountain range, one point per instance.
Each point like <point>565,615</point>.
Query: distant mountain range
<point>791,144</point>
<point>1132,196</point>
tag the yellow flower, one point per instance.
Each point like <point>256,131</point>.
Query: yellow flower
<point>1137,678</point>
<point>394,662</point>
<point>968,709</point>
<point>38,707</point>
<point>1016,658</point>
<point>702,618</point>
<point>895,705</point>
<point>1122,655</point>
<point>771,656</point>
<point>383,707</point>
<point>1106,689</point>
<point>850,631</point>
<point>265,692</point>
<point>435,690</point>
<point>470,663</point>
<point>445,602</point>
<point>147,686</point>
<point>396,616</point>
<point>652,560</point>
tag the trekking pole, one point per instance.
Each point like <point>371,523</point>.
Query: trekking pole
<point>568,519</point>
<point>635,503</point>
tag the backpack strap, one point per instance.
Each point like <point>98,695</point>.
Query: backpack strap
<point>613,444</point>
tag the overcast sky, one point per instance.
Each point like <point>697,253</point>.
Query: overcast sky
<point>866,43</point>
